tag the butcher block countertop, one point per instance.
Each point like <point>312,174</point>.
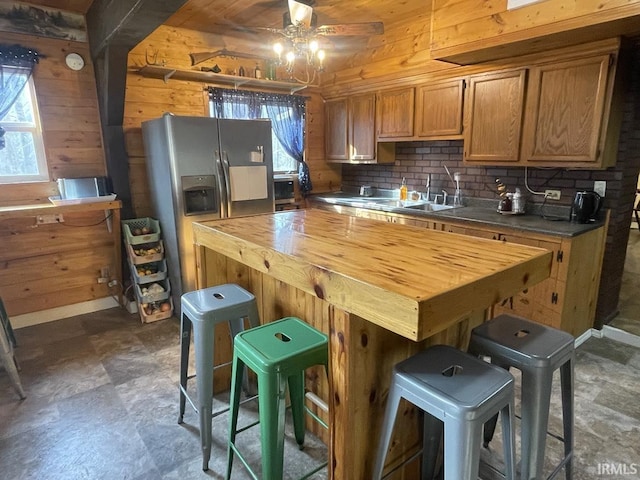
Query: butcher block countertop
<point>409,280</point>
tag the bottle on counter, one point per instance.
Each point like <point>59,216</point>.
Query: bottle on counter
<point>403,189</point>
<point>517,202</point>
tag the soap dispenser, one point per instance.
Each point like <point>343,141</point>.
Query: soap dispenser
<point>403,189</point>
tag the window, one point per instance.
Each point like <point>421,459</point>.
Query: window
<point>23,159</point>
<point>286,113</point>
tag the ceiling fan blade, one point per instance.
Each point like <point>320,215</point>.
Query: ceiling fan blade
<point>371,28</point>
<point>300,13</point>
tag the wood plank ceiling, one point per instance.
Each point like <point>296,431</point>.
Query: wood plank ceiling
<point>224,17</point>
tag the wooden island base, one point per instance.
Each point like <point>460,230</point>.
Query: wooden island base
<point>322,268</point>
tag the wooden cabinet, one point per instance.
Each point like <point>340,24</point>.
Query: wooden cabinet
<point>438,112</point>
<point>570,119</point>
<point>493,117</point>
<point>336,143</point>
<point>567,299</point>
<point>564,120</point>
<point>362,142</point>
<point>350,130</point>
<point>394,113</point>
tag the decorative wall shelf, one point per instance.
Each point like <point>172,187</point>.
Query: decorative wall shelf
<point>165,73</point>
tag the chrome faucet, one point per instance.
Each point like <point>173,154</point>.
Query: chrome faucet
<point>428,185</point>
<point>457,198</point>
<point>444,197</point>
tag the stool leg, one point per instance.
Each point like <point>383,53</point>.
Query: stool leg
<point>462,440</point>
<point>490,425</point>
<point>296,396</point>
<point>235,327</point>
<point>509,440</point>
<point>272,406</point>
<point>431,437</point>
<point>393,401</point>
<point>237,372</point>
<point>566,382</point>
<point>535,399</point>
<point>185,344</point>
<point>204,338</point>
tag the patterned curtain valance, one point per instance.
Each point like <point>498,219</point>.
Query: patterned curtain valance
<point>18,56</point>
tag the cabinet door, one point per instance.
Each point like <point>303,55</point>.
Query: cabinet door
<point>394,113</point>
<point>565,107</point>
<point>439,109</point>
<point>336,145</point>
<point>362,144</point>
<point>493,117</point>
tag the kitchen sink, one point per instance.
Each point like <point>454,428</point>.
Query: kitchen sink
<point>431,207</point>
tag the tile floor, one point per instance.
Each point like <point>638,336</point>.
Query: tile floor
<point>629,304</point>
<point>102,404</point>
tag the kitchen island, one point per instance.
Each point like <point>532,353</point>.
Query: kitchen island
<point>382,292</point>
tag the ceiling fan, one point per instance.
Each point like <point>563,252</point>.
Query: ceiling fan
<point>300,20</point>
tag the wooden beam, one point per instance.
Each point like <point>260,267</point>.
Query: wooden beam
<point>114,28</point>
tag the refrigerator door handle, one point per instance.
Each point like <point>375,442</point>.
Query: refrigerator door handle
<point>227,181</point>
<point>222,186</point>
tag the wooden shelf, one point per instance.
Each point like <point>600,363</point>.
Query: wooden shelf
<point>165,73</point>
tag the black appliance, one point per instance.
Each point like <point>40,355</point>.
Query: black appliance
<point>585,207</point>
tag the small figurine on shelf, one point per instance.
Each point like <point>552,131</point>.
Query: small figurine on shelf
<point>216,69</point>
<point>257,71</point>
<point>241,71</point>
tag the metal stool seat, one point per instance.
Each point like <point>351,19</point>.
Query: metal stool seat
<point>278,353</point>
<point>461,391</point>
<point>202,310</point>
<point>537,351</point>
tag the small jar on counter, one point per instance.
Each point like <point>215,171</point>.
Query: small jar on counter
<point>517,202</point>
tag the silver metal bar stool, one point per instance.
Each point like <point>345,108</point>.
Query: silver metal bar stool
<point>202,310</point>
<point>537,351</point>
<point>7,343</point>
<point>461,391</point>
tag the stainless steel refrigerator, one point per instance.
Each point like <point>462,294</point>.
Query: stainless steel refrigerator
<point>204,169</point>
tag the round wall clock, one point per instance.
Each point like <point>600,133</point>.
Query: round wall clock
<point>74,61</point>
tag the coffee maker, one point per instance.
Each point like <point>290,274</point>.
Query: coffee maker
<point>585,207</point>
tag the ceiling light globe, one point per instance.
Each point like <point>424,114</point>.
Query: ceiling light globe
<point>313,46</point>
<point>291,57</point>
<point>278,48</point>
<point>321,55</point>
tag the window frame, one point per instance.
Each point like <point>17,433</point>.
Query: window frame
<point>35,129</point>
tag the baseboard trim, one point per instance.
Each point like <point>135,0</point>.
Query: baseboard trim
<point>53,314</point>
<point>621,336</point>
<point>585,336</point>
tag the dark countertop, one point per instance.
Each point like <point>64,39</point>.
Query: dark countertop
<point>482,213</point>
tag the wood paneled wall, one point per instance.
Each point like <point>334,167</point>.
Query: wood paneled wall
<point>68,106</point>
<point>471,31</point>
<point>56,265</point>
<point>148,98</point>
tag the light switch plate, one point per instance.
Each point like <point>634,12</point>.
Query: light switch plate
<point>600,187</point>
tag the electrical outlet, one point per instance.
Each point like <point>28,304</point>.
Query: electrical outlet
<point>600,187</point>
<point>552,194</point>
<point>45,219</point>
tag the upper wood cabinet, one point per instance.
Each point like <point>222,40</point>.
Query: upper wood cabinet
<point>493,117</point>
<point>564,115</point>
<point>439,109</point>
<point>336,143</point>
<point>350,131</point>
<point>362,142</point>
<point>564,120</point>
<point>394,113</point>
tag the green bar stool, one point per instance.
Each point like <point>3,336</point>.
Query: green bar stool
<point>278,352</point>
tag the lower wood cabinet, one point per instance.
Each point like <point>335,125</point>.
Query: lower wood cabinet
<point>567,299</point>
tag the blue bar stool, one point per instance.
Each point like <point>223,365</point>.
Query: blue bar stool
<point>537,351</point>
<point>202,310</point>
<point>279,353</point>
<point>461,391</point>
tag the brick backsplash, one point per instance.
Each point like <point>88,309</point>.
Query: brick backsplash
<point>415,160</point>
